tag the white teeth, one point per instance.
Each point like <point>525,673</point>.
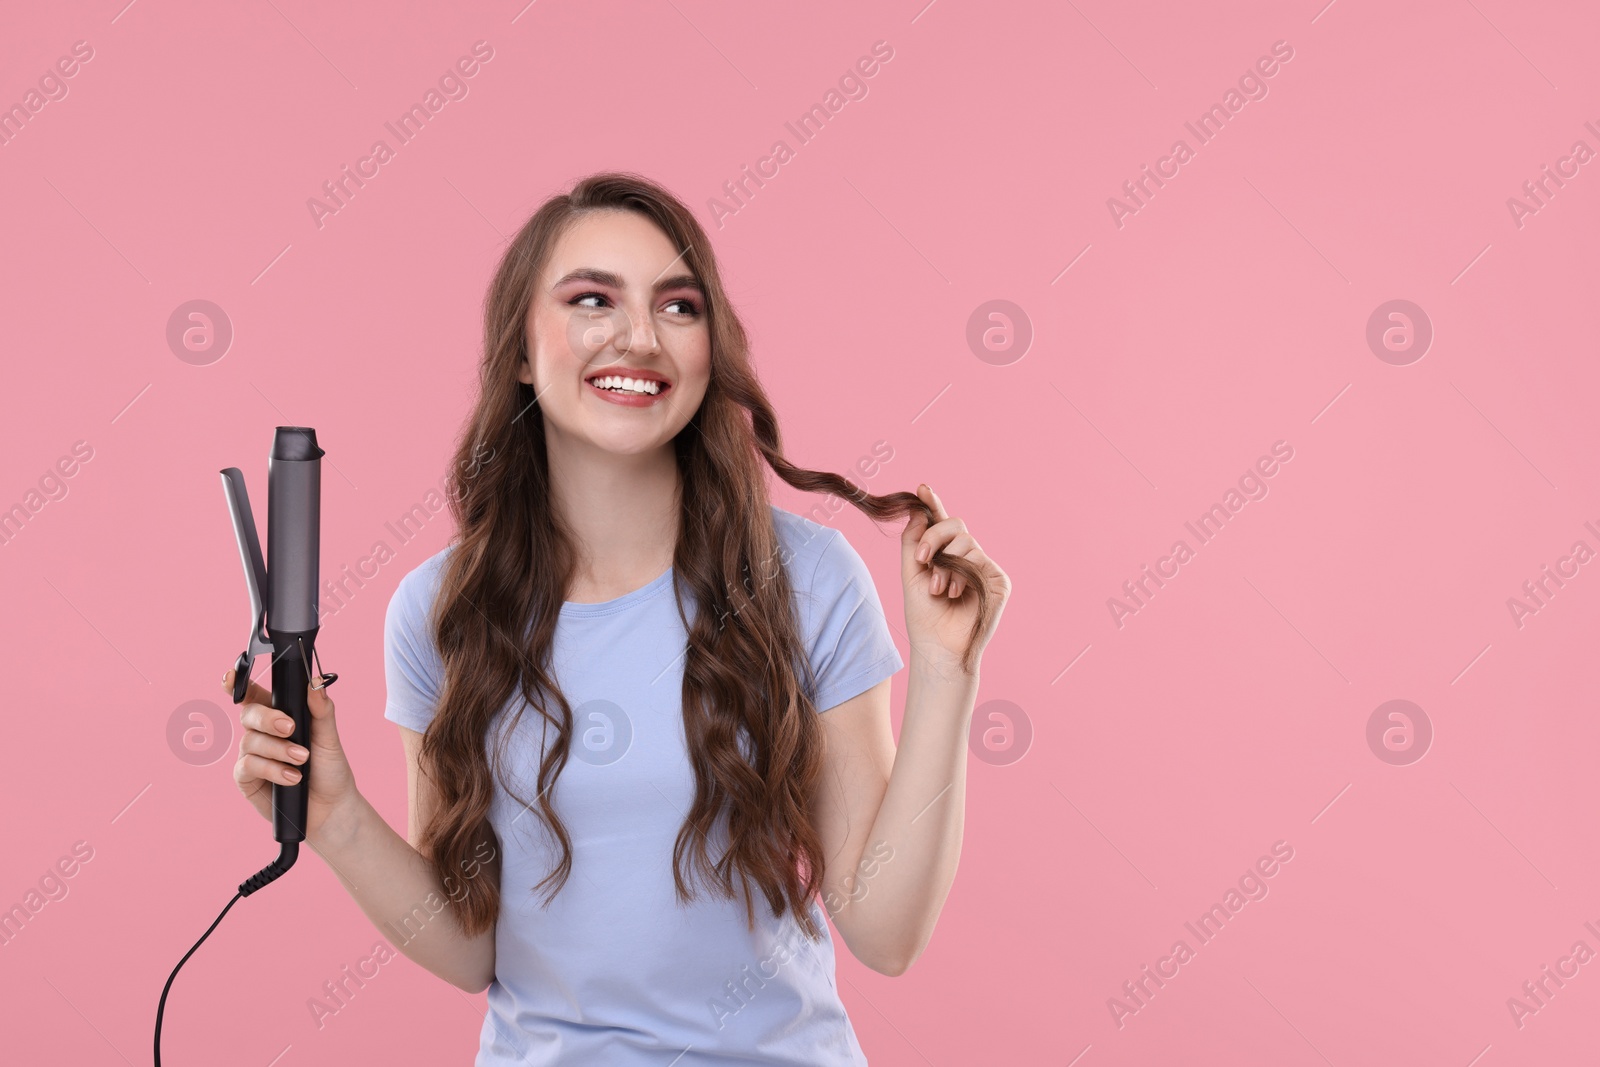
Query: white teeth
<point>648,387</point>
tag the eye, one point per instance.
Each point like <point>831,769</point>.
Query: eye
<point>685,305</point>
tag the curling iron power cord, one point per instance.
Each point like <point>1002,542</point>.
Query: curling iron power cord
<point>288,851</point>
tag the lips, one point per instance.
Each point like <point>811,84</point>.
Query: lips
<point>628,397</point>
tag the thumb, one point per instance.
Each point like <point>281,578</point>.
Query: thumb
<point>916,526</point>
<point>323,731</point>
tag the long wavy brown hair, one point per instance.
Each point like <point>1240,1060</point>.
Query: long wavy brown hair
<point>745,671</point>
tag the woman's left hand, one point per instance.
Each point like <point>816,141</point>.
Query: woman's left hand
<point>940,609</point>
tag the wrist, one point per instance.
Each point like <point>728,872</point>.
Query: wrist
<point>942,670</point>
<point>939,695</point>
<point>343,825</point>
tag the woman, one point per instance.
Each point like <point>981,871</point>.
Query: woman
<point>624,803</point>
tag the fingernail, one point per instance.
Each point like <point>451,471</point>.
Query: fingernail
<point>297,753</point>
<point>922,553</point>
<point>292,774</point>
<point>284,726</point>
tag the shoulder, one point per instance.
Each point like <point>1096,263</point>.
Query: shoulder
<point>413,670</point>
<point>803,541</point>
<point>821,562</point>
<point>847,638</point>
<point>810,549</point>
<point>414,594</point>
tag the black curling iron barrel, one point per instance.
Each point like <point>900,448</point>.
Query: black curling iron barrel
<point>283,622</point>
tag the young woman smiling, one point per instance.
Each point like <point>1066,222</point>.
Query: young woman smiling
<point>645,712</point>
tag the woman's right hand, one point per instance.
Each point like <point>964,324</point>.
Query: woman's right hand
<point>268,757</point>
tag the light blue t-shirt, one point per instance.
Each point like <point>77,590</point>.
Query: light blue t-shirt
<point>615,970</point>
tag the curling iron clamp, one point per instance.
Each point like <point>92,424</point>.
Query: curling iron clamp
<point>283,622</point>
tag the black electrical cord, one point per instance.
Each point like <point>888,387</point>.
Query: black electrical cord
<point>287,853</point>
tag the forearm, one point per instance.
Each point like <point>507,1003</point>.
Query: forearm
<point>406,901</point>
<point>894,903</point>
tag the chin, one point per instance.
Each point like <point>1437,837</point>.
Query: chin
<point>631,445</point>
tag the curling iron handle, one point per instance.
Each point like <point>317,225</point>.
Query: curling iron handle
<point>290,803</point>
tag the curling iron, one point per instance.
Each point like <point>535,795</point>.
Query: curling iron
<point>283,602</point>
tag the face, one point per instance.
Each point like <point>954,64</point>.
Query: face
<point>615,301</point>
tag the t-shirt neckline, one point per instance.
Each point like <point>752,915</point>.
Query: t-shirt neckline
<point>626,600</point>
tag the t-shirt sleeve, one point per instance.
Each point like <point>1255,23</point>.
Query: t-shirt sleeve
<point>847,635</point>
<point>413,672</point>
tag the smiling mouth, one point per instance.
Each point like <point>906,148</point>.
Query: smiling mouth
<point>614,383</point>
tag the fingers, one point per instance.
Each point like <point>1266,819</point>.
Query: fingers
<point>945,534</point>
<point>919,522</point>
<point>916,525</point>
<point>265,752</point>
<point>266,719</point>
<point>951,540</point>
<point>944,584</point>
<point>254,768</point>
<point>282,755</point>
<point>950,537</point>
<point>253,694</point>
<point>952,587</point>
<point>258,713</point>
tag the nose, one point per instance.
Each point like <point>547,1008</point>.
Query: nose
<point>634,330</point>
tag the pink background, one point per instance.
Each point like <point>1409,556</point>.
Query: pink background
<point>1228,313</point>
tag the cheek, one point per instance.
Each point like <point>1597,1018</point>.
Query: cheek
<point>697,363</point>
<point>553,354</point>
<point>561,343</point>
<point>700,369</point>
<point>557,340</point>
<point>694,384</point>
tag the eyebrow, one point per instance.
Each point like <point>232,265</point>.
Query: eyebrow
<point>605,277</point>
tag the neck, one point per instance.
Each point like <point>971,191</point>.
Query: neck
<point>623,510</point>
